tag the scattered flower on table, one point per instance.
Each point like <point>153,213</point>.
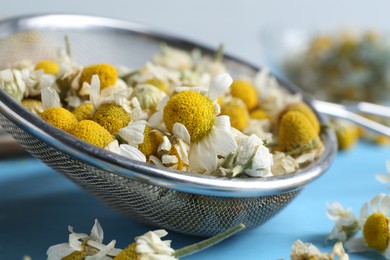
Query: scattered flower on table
<point>305,251</point>
<point>374,222</point>
<point>346,225</point>
<point>148,246</point>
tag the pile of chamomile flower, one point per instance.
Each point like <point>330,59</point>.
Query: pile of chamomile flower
<point>181,110</point>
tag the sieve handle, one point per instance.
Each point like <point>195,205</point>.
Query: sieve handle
<point>349,112</point>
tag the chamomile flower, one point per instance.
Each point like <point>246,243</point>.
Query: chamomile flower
<point>148,96</point>
<point>48,67</point>
<point>149,246</point>
<point>346,224</point>
<point>253,158</point>
<point>81,245</point>
<point>173,58</point>
<point>384,177</point>
<point>374,222</point>
<point>244,90</point>
<point>283,164</point>
<point>91,132</point>
<point>106,73</point>
<point>11,81</point>
<point>304,251</point>
<point>195,116</point>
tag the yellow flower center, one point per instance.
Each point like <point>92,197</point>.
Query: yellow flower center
<point>376,231</point>
<point>347,136</point>
<point>112,117</point>
<point>107,74</point>
<point>48,67</point>
<point>308,112</point>
<point>259,114</point>
<point>180,163</point>
<point>84,111</point>
<point>128,253</point>
<point>237,112</point>
<point>59,117</point>
<point>296,132</point>
<point>92,132</point>
<point>150,143</point>
<point>193,110</point>
<point>245,91</point>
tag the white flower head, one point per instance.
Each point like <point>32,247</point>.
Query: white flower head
<point>301,251</point>
<point>173,58</point>
<point>346,224</point>
<point>254,158</point>
<point>374,221</point>
<point>50,98</point>
<point>150,246</point>
<point>210,137</point>
<point>11,81</point>
<point>77,241</point>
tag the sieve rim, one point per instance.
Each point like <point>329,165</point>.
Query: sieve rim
<point>146,172</point>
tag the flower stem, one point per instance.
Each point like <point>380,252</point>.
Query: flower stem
<point>188,250</point>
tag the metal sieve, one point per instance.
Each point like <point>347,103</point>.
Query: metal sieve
<point>187,203</point>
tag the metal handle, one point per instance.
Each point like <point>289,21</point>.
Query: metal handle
<point>345,112</point>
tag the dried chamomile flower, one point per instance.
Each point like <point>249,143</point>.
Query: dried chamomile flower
<point>251,158</point>
<point>346,224</point>
<point>374,222</point>
<point>307,251</point>
<point>308,112</point>
<point>91,132</point>
<point>283,164</point>
<point>48,67</point>
<point>83,111</point>
<point>82,246</point>
<point>12,83</point>
<point>347,133</point>
<point>158,83</point>
<point>150,246</point>
<point>196,116</point>
<point>173,58</point>
<point>60,118</point>
<point>384,177</point>
<point>237,112</point>
<point>111,116</point>
<point>245,91</point>
<point>33,105</point>
<point>148,96</point>
<point>106,73</point>
<point>296,133</point>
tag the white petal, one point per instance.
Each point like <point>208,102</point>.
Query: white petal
<point>132,153</point>
<point>155,120</point>
<point>97,233</point>
<point>181,131</point>
<point>165,145</point>
<point>222,122</point>
<point>219,85</point>
<point>169,159</point>
<point>163,102</point>
<point>375,202</point>
<point>222,141</point>
<point>384,178</point>
<point>94,96</point>
<point>202,157</point>
<point>133,133</point>
<point>102,252</point>
<point>364,213</point>
<point>50,98</point>
<point>384,207</point>
<point>356,245</point>
<point>57,252</point>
